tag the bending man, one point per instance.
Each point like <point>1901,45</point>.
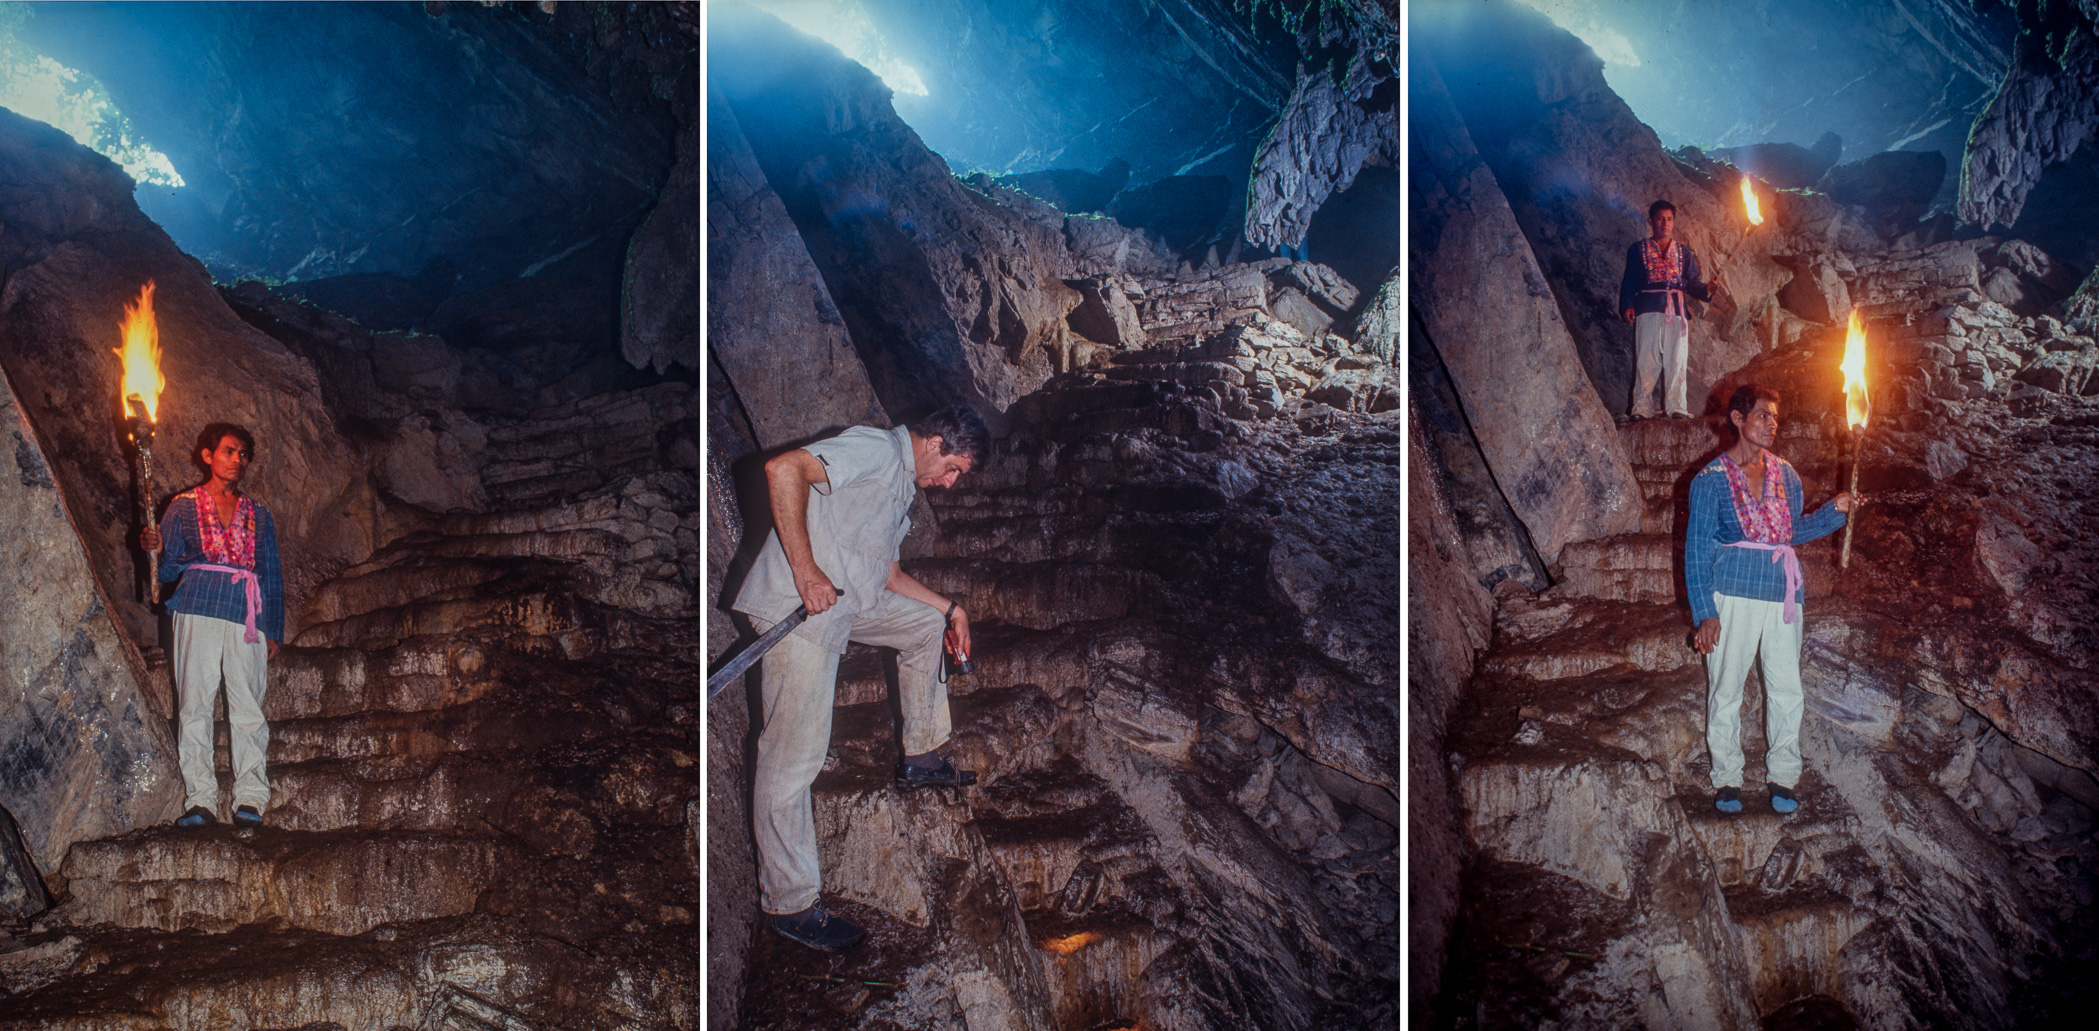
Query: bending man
<point>1744,583</point>
<point>229,615</point>
<point>1659,273</point>
<point>840,511</point>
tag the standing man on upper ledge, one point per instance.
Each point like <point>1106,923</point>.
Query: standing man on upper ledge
<point>1744,583</point>
<point>841,508</point>
<point>1659,272</point>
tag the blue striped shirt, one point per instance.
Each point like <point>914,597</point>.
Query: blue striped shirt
<point>209,593</point>
<point>1709,565</point>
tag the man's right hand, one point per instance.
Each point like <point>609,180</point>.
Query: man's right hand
<point>816,589</point>
<point>149,538</point>
<point>1628,314</point>
<point>1708,636</point>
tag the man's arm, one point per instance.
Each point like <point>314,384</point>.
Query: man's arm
<point>957,621</point>
<point>1824,521</point>
<point>1635,278</point>
<point>1694,278</point>
<point>788,479</point>
<point>1707,491</point>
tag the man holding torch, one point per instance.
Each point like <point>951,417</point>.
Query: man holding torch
<point>229,616</point>
<point>1744,583</point>
<point>840,510</point>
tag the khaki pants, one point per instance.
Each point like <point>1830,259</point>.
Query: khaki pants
<point>1747,627</point>
<point>205,648</point>
<point>1661,347</point>
<point>800,681</point>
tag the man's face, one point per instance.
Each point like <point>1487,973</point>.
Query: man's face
<point>935,469</point>
<point>1663,223</point>
<point>228,460</point>
<point>1760,426</point>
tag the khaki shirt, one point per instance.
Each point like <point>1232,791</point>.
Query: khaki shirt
<point>857,524</point>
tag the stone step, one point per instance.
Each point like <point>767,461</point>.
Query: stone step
<point>1664,517</point>
<point>1674,443</point>
<point>1631,567</point>
<point>1793,941</point>
<point>218,878</point>
<point>497,723</point>
<point>1584,636</point>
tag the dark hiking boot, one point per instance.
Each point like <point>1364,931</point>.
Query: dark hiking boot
<point>819,928</point>
<point>944,775</point>
<point>198,816</point>
<point>247,816</point>
<point>1729,800</point>
<point>1782,799</point>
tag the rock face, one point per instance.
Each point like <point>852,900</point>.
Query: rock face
<point>865,194</point>
<point>1449,620</point>
<point>2041,114</point>
<point>1328,132</point>
<point>93,756</point>
<point>1567,483</point>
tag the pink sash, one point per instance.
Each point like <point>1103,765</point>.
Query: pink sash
<point>254,585</point>
<point>1781,553</point>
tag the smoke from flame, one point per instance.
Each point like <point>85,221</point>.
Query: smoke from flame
<point>141,354</point>
<point>1856,407</point>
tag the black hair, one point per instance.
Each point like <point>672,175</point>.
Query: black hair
<point>218,431</point>
<point>1657,208</point>
<point>961,431</point>
<point>1746,396</point>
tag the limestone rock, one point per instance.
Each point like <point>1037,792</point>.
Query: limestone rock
<point>22,891</point>
<point>764,290</point>
<point>1573,482</point>
<point>2041,114</point>
<point>966,328</point>
<point>659,297</point>
<point>1328,132</point>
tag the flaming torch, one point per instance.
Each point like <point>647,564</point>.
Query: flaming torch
<point>1756,214</point>
<point>139,393</point>
<point>1856,409</point>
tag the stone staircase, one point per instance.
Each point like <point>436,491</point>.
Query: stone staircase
<point>1108,555</point>
<point>1605,890</point>
<point>480,757</point>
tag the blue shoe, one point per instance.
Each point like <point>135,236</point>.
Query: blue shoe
<point>1782,799</point>
<point>819,928</point>
<point>247,816</point>
<point>198,816</point>
<point>1729,800</point>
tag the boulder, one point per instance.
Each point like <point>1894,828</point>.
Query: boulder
<point>1486,305</point>
<point>773,329</point>
<point>904,247</point>
<point>1817,293</point>
<point>1106,314</point>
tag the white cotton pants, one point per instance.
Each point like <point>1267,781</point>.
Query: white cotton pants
<point>1749,627</point>
<point>207,648</point>
<point>1661,348</point>
<point>800,685</point>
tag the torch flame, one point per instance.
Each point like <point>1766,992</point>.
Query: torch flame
<point>141,354</point>
<point>1855,404</point>
<point>1756,215</point>
<point>1069,944</point>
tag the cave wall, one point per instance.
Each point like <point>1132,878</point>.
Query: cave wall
<point>1548,439</point>
<point>1450,619</point>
